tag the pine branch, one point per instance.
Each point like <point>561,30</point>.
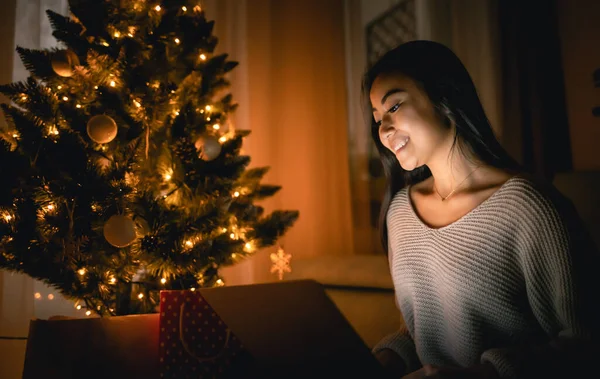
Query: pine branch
<point>69,32</point>
<point>37,62</point>
<point>265,191</point>
<point>270,228</point>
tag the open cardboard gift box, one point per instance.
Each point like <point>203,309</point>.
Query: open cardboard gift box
<point>288,330</point>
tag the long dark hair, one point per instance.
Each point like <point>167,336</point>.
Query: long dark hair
<point>445,80</point>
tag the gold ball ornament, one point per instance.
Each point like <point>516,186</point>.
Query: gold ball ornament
<point>141,226</point>
<point>120,231</point>
<point>208,147</point>
<point>63,62</point>
<point>102,128</point>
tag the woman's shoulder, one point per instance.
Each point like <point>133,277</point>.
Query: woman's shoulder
<point>399,204</point>
<point>535,199</point>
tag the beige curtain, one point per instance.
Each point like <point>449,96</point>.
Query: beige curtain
<point>16,300</point>
<point>366,238</point>
<point>291,87</point>
<point>24,23</point>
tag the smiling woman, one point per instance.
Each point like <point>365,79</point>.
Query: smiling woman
<point>490,266</point>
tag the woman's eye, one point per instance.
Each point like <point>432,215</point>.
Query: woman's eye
<point>394,108</point>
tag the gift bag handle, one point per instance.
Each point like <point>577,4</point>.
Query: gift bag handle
<point>187,348</point>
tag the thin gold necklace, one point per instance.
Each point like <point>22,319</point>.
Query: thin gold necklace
<point>455,188</point>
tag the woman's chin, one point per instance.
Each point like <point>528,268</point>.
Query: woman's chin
<point>408,164</point>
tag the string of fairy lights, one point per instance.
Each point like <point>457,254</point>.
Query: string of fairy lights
<point>120,230</point>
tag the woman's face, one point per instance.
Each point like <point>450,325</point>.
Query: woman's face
<point>408,124</point>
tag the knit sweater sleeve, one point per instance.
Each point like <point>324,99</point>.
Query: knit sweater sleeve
<point>400,341</point>
<point>554,254</point>
<point>402,344</point>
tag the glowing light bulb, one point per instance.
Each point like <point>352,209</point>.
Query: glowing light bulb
<point>208,107</point>
<point>189,244</point>
<point>15,135</point>
<point>50,208</point>
<point>232,236</point>
<point>184,8</point>
<point>224,230</point>
<point>95,87</point>
<point>140,296</point>
<point>208,119</point>
<point>59,87</point>
<point>7,217</point>
<point>88,313</point>
<point>216,126</point>
<point>117,34</point>
<point>234,255</point>
<point>203,57</point>
<point>176,113</point>
<point>65,98</point>
<point>163,280</point>
<point>24,97</point>
<point>248,245</point>
<point>192,289</point>
<point>222,139</point>
<point>37,295</point>
<point>78,307</point>
<point>168,177</point>
<point>157,8</point>
<point>113,280</point>
<point>177,41</point>
<point>50,297</point>
<point>137,103</point>
<point>112,83</point>
<point>81,271</point>
<point>105,44</point>
<point>78,106</point>
<point>220,282</point>
<point>236,194</point>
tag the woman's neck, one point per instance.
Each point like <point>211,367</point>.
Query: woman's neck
<point>452,170</point>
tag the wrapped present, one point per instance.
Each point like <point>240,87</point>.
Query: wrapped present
<point>194,342</point>
<point>115,347</point>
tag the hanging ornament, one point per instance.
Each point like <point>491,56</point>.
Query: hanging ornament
<point>104,163</point>
<point>63,62</point>
<point>119,231</point>
<point>102,128</point>
<point>142,227</point>
<point>208,147</point>
<point>281,262</point>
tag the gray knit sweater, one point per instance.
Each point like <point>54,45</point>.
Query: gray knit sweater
<point>500,285</point>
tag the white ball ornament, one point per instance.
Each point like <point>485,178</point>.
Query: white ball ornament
<point>102,128</point>
<point>120,231</point>
<point>63,62</point>
<point>209,147</point>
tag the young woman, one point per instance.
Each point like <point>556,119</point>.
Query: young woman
<point>489,265</point>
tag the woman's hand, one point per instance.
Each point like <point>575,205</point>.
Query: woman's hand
<point>480,371</point>
<point>419,374</point>
<point>391,362</point>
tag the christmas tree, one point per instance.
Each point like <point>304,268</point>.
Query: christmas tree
<point>121,170</point>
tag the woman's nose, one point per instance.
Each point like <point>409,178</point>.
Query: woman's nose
<point>386,127</point>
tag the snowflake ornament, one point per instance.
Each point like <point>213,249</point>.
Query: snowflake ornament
<point>281,262</point>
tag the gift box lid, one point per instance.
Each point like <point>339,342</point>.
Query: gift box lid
<point>292,327</point>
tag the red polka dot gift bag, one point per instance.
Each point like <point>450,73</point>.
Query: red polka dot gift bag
<point>194,342</point>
